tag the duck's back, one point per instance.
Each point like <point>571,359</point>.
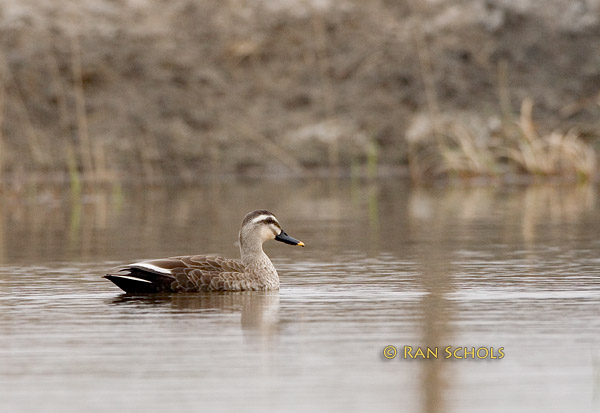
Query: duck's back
<point>189,273</point>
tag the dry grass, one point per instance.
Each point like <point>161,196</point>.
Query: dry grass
<point>518,148</point>
<point>557,153</point>
<point>463,156</point>
<point>88,162</point>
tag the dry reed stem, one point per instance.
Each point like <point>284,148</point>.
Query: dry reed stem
<point>323,63</point>
<point>85,149</point>
<point>61,94</point>
<point>102,172</point>
<point>74,178</point>
<point>504,90</point>
<point>37,152</point>
<point>579,105</point>
<point>147,149</point>
<point>426,66</point>
<point>427,76</point>
<point>526,121</point>
<point>2,103</point>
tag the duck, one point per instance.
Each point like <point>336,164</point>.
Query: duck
<point>203,273</point>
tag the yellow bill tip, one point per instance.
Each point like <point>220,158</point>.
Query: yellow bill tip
<point>301,244</point>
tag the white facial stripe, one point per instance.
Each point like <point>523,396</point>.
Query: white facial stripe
<point>133,278</point>
<point>263,217</point>
<point>150,267</point>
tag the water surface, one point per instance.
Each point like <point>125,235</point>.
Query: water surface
<point>385,264</point>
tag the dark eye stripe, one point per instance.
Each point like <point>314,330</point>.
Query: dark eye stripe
<point>268,221</point>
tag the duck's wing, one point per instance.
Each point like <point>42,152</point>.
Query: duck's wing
<point>209,273</point>
<point>175,274</point>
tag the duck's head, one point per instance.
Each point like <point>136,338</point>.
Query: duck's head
<point>260,226</point>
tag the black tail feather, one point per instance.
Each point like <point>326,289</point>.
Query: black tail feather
<point>137,281</point>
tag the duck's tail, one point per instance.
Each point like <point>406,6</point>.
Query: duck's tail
<point>135,281</point>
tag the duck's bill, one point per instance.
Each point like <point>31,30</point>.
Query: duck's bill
<point>283,237</point>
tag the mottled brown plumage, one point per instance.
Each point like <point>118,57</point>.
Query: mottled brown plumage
<point>211,273</point>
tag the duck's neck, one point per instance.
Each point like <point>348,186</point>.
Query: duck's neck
<point>258,265</point>
<point>252,253</point>
<point>251,258</point>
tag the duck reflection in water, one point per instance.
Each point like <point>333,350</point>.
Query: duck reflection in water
<point>259,309</point>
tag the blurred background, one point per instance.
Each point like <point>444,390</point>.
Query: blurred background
<point>437,157</point>
<point>113,90</point>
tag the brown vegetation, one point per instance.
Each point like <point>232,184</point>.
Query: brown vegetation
<point>456,149</point>
<point>115,89</point>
